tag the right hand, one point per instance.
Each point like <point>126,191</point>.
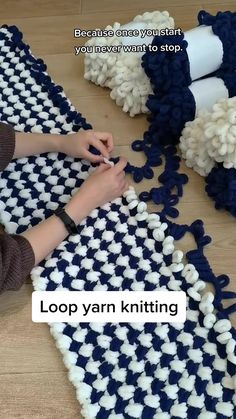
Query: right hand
<point>105,184</point>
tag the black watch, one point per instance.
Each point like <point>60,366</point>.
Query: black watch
<point>67,221</point>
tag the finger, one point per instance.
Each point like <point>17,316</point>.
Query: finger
<point>119,167</point>
<point>121,176</point>
<point>125,187</point>
<point>92,157</point>
<point>101,147</point>
<point>102,168</point>
<point>107,137</point>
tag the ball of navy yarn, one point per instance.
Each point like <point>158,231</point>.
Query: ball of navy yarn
<point>170,113</point>
<point>167,69</point>
<point>221,187</point>
<point>224,26</point>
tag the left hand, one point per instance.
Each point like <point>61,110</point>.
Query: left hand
<point>77,145</point>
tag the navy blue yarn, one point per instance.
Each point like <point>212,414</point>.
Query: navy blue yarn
<point>221,187</point>
<point>172,103</point>
<point>229,78</point>
<point>167,195</point>
<point>169,113</point>
<point>37,68</point>
<point>199,260</point>
<point>168,117</point>
<point>167,69</point>
<point>224,26</point>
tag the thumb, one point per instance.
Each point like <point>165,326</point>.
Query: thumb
<point>102,168</point>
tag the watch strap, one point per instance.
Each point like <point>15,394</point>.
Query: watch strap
<point>67,220</point>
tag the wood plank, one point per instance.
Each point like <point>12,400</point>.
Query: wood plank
<point>38,8</point>
<point>35,346</point>
<point>215,6</point>
<point>38,396</point>
<point>55,35</point>
<point>138,6</point>
<point>91,6</point>
<point>107,116</point>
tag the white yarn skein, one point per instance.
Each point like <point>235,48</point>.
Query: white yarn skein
<point>193,144</point>
<point>220,133</point>
<point>122,72</point>
<point>211,138</point>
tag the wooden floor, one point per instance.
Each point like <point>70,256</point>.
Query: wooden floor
<point>33,379</point>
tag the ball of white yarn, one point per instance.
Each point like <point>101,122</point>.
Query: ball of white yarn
<point>220,133</point>
<point>193,144</point>
<point>99,65</point>
<point>211,138</point>
<point>122,72</point>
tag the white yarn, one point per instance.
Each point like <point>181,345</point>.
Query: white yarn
<point>121,71</point>
<point>193,144</point>
<point>211,138</point>
<point>220,133</point>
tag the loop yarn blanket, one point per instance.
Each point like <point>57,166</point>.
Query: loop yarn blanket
<point>147,371</point>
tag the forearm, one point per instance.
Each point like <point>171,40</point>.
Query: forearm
<point>47,235</point>
<point>28,144</point>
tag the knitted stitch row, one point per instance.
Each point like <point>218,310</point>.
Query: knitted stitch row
<point>148,371</point>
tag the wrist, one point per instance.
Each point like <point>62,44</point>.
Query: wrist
<point>79,207</point>
<point>58,142</point>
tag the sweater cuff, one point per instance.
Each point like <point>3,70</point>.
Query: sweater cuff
<point>27,255</point>
<point>7,144</point>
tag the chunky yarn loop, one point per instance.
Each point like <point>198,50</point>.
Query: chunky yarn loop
<point>148,371</point>
<point>166,69</point>
<point>221,187</point>
<point>211,138</point>
<point>122,72</point>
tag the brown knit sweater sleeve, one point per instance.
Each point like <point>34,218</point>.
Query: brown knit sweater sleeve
<point>16,261</point>
<point>16,253</point>
<point>7,144</point>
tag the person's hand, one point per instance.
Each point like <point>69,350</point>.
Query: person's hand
<point>103,185</point>
<point>77,145</point>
